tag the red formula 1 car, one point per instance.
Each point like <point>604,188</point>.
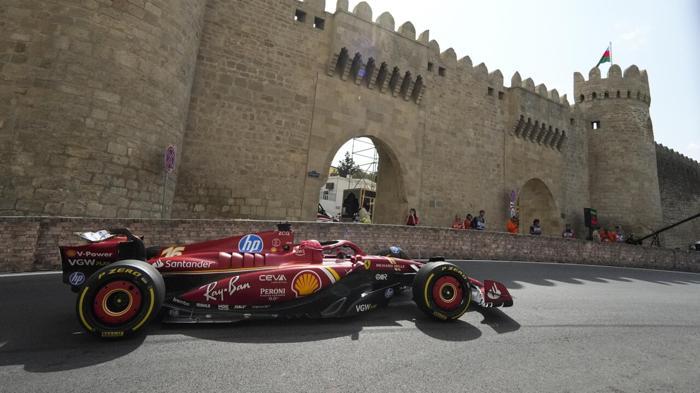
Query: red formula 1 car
<point>121,285</point>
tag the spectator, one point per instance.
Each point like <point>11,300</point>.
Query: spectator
<point>364,216</point>
<point>351,205</point>
<point>595,236</point>
<point>468,222</point>
<point>612,236</point>
<point>512,224</point>
<point>568,233</point>
<point>479,223</point>
<point>619,235</point>
<point>604,237</point>
<point>457,223</point>
<point>412,217</point>
<point>535,228</point>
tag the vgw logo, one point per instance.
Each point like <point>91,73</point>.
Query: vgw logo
<point>250,243</point>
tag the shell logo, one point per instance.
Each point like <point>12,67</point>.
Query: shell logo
<point>305,283</point>
<point>70,253</point>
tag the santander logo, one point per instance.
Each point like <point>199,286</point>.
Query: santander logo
<point>188,264</point>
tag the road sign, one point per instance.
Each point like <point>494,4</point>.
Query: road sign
<point>170,153</point>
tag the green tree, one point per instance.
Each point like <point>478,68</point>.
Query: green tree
<point>347,166</point>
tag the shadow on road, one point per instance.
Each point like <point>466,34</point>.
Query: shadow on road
<point>498,320</point>
<point>40,330</point>
<point>394,318</point>
<point>514,274</point>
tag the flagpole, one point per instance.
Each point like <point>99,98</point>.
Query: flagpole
<point>611,59</point>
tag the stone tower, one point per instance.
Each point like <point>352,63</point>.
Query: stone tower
<point>624,184</point>
<point>91,93</point>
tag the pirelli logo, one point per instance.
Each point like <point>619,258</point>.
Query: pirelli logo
<point>120,270</point>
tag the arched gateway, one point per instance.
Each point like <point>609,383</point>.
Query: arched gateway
<point>536,201</point>
<point>391,203</point>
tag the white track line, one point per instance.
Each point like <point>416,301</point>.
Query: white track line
<point>570,264</point>
<point>9,275</point>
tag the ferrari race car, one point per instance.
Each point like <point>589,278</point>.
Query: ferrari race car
<point>122,285</point>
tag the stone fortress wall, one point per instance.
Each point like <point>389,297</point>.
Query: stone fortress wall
<point>449,133</point>
<point>91,92</point>
<point>679,181</point>
<point>258,95</point>
<point>622,164</point>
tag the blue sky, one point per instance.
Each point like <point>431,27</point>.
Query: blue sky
<point>550,40</point>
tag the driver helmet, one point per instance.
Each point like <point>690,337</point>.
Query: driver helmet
<point>394,251</point>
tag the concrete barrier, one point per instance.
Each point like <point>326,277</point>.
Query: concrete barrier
<point>31,243</point>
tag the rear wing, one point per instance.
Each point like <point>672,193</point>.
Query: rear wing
<point>79,262</point>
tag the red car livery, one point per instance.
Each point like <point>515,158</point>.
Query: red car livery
<point>122,285</point>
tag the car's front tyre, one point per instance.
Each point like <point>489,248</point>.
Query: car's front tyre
<point>441,290</point>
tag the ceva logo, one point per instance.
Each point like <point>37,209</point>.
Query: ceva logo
<point>250,243</point>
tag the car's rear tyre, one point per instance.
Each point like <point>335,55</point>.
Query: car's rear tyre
<point>120,299</point>
<point>441,290</point>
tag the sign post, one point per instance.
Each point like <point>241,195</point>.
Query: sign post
<point>590,218</point>
<point>513,204</point>
<point>168,167</point>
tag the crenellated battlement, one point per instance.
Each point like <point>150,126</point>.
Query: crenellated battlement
<point>541,89</point>
<point>632,84</point>
<point>677,156</point>
<point>445,62</point>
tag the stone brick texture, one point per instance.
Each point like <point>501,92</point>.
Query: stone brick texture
<point>91,94</point>
<point>679,180</point>
<point>622,155</point>
<point>259,94</point>
<point>31,243</point>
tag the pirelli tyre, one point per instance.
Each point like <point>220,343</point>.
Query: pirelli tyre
<point>441,290</point>
<point>120,299</point>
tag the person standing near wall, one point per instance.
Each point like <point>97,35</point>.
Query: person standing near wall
<point>468,222</point>
<point>619,235</point>
<point>364,215</point>
<point>512,225</point>
<point>412,217</point>
<point>612,236</point>
<point>479,223</point>
<point>535,228</point>
<point>457,223</point>
<point>568,233</point>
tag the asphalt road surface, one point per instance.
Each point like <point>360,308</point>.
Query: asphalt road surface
<point>572,329</point>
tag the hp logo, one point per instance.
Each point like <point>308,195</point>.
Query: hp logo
<point>250,243</point>
<point>76,278</point>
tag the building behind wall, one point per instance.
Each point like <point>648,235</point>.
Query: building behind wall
<point>258,95</point>
<point>332,193</point>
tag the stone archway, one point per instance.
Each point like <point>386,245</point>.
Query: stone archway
<point>536,201</point>
<point>391,203</point>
